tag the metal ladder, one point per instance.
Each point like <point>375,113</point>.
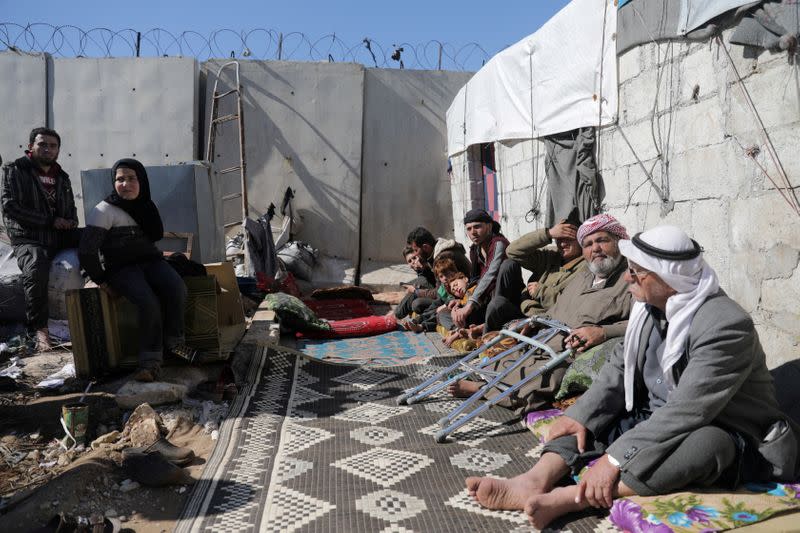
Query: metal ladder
<point>216,120</point>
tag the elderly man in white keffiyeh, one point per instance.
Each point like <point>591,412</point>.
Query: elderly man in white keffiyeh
<point>686,401</point>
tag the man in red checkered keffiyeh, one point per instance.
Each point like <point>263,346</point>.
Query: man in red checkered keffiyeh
<point>601,222</point>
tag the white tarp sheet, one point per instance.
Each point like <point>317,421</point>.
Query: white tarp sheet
<point>547,83</point>
<point>695,13</point>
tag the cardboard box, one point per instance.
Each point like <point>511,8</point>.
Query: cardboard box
<point>105,331</point>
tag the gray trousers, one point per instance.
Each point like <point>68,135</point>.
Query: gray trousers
<point>153,286</point>
<point>34,263</point>
<point>702,459</point>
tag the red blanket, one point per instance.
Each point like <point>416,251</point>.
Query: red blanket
<point>340,309</point>
<point>354,327</point>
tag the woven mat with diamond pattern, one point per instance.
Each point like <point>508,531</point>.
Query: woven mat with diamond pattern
<point>311,446</point>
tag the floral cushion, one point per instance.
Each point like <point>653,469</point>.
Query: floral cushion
<point>686,512</point>
<point>539,422</point>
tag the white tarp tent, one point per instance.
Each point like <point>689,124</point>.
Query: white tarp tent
<point>562,77</point>
<point>646,21</point>
<point>694,13</point>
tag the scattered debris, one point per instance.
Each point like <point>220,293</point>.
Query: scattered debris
<point>144,427</point>
<point>14,369</point>
<point>108,438</point>
<point>135,393</point>
<point>128,485</point>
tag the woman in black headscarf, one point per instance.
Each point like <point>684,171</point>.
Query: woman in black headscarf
<point>123,229</point>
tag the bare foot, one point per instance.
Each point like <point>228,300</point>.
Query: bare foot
<point>544,508</point>
<point>409,325</point>
<point>476,331</point>
<point>472,486</point>
<point>503,494</point>
<point>454,336</point>
<point>463,388</point>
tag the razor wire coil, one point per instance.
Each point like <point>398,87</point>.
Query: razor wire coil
<point>257,43</point>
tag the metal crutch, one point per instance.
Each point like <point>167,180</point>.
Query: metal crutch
<point>421,391</point>
<point>537,342</point>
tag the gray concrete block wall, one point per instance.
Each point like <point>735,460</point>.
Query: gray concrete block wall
<point>687,123</point>
<point>23,94</point>
<point>110,108</point>
<point>303,129</point>
<point>405,180</point>
<point>346,139</point>
<point>518,163</point>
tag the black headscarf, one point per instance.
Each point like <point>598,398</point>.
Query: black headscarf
<point>480,215</point>
<point>142,209</point>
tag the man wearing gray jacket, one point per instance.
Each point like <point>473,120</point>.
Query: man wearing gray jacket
<point>686,401</point>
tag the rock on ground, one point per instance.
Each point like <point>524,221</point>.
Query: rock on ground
<point>135,393</point>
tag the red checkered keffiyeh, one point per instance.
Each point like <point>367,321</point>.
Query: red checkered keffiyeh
<point>601,222</point>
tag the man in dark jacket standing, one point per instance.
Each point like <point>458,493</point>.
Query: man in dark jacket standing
<point>40,218</point>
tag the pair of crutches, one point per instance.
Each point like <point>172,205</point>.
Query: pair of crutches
<point>473,364</point>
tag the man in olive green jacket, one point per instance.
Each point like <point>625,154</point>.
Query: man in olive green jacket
<point>550,269</point>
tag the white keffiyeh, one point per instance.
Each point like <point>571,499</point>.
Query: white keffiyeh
<point>693,279</point>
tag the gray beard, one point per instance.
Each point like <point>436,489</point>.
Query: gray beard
<point>604,267</point>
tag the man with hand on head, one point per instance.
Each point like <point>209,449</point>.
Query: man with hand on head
<point>551,271</point>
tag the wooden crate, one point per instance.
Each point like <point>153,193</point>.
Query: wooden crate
<point>105,331</point>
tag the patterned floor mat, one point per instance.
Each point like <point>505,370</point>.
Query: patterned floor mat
<point>315,447</point>
<point>389,349</point>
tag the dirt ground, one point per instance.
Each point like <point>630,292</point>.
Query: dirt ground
<point>38,479</point>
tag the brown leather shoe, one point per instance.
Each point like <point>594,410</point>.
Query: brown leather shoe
<point>174,454</point>
<point>153,469</point>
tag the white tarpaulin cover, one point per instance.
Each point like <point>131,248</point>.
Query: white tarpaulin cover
<point>644,21</point>
<point>695,13</point>
<point>549,82</point>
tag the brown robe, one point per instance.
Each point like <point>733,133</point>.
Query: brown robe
<point>607,305</point>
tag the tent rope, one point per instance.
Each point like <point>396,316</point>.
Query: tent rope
<point>785,188</point>
<point>535,211</point>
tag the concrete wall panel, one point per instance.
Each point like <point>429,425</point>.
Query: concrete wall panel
<point>405,159</point>
<point>23,100</point>
<point>303,129</point>
<point>107,109</point>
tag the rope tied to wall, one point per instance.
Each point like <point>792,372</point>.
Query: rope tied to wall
<point>784,188</point>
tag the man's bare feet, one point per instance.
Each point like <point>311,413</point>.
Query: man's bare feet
<point>410,325</point>
<point>503,494</point>
<point>476,331</point>
<point>544,508</point>
<point>463,388</point>
<point>454,336</point>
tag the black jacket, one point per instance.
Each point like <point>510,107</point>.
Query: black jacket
<point>27,215</point>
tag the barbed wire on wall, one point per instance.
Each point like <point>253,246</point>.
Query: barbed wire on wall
<point>258,43</point>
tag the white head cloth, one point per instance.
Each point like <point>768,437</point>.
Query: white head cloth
<point>693,280</point>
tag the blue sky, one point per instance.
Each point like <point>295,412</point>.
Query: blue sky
<point>492,26</point>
